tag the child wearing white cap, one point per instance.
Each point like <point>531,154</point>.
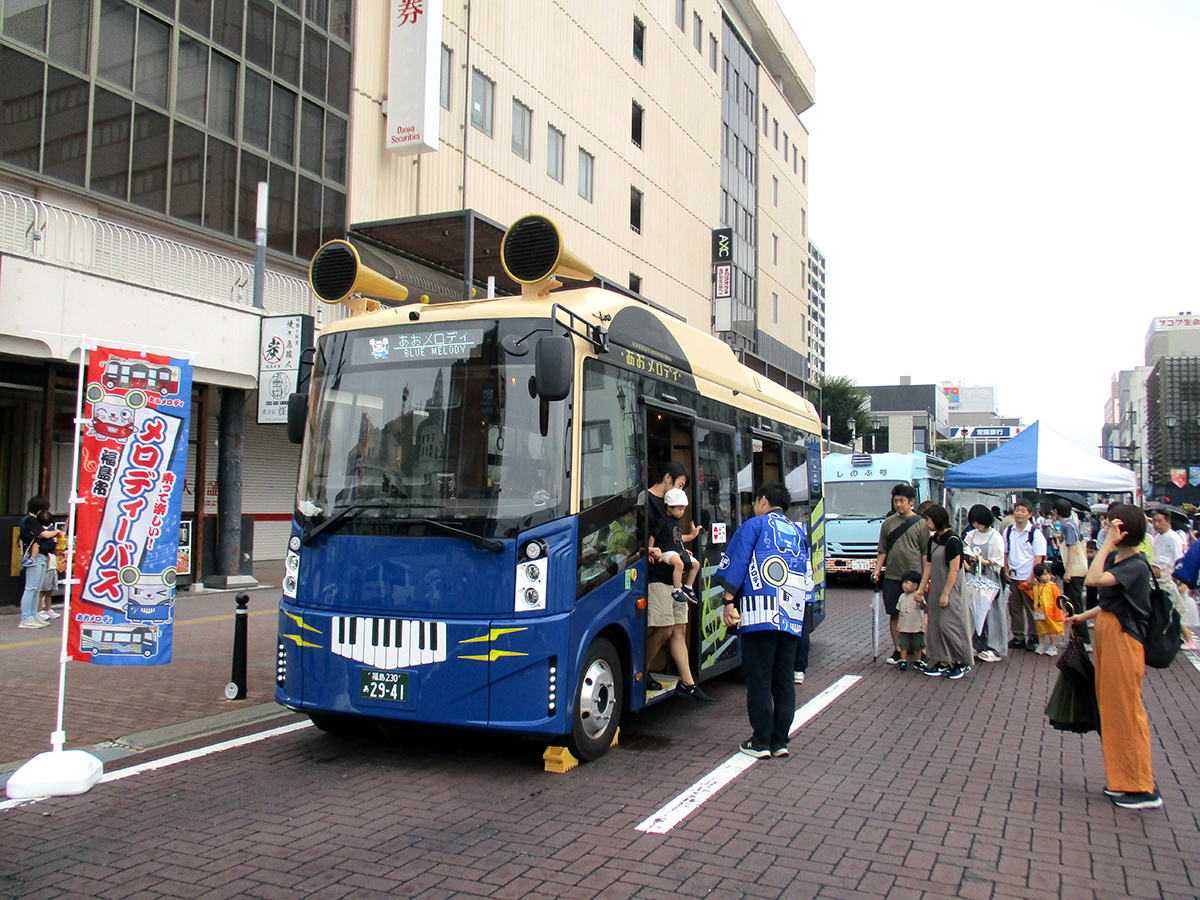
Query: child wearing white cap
<point>670,540</point>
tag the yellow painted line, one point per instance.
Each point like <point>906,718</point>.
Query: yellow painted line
<point>201,621</point>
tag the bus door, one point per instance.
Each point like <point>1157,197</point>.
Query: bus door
<point>766,466</point>
<point>717,513</point>
<point>670,437</point>
<point>802,475</point>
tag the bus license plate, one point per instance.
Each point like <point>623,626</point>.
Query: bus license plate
<point>376,685</point>
<point>860,565</point>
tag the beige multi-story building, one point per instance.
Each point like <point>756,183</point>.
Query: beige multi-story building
<point>136,134</point>
<point>638,127</point>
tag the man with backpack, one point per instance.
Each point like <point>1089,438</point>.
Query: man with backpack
<point>1024,548</point>
<point>902,543</point>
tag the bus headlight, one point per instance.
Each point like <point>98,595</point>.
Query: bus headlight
<point>532,566</point>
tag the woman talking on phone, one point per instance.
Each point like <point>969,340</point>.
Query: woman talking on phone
<point>1122,575</point>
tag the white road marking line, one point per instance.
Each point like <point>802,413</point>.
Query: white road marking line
<point>1193,658</point>
<point>687,802</point>
<point>178,758</point>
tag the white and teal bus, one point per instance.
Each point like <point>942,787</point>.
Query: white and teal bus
<point>466,547</point>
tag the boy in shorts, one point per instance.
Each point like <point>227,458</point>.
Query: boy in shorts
<point>912,622</point>
<point>670,541</point>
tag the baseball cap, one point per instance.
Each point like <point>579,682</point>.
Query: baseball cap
<point>675,497</point>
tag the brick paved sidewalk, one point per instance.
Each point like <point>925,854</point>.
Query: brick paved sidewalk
<point>908,787</point>
<point>107,703</point>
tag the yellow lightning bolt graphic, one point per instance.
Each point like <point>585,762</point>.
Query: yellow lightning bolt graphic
<point>493,655</point>
<point>300,621</point>
<point>300,642</point>
<point>491,635</point>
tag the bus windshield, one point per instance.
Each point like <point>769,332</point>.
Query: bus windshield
<point>431,422</point>
<point>858,499</point>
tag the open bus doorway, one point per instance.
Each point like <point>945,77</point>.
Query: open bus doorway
<point>670,437</point>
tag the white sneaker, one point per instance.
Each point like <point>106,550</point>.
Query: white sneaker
<point>32,623</point>
<point>51,614</point>
<point>798,678</point>
<point>43,616</point>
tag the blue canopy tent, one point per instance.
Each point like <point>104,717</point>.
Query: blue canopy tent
<point>1039,458</point>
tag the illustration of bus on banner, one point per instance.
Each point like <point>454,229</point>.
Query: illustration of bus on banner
<point>119,640</point>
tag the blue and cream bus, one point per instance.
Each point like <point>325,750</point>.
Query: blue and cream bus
<point>466,547</point>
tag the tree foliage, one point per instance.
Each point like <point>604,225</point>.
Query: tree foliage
<point>952,450</point>
<point>841,401</point>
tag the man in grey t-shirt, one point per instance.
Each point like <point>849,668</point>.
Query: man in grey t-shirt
<point>903,538</point>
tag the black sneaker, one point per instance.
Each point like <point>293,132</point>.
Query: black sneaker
<point>1015,643</point>
<point>691,594</point>
<point>1138,800</point>
<point>937,671</point>
<point>653,684</point>
<point>752,749</point>
<point>894,658</point>
<point>902,666</point>
<point>919,665</point>
<point>957,672</point>
<point>780,751</point>
<point>692,692</point>
<point>1031,644</point>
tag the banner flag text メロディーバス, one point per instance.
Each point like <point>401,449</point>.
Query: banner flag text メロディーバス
<point>133,460</point>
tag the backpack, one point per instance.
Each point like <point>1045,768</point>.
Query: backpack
<point>1164,631</point>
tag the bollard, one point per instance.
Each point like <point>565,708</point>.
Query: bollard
<point>236,689</point>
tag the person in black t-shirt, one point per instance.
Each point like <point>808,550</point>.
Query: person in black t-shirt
<point>37,552</point>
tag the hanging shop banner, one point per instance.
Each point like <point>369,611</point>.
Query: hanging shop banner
<point>1179,477</point>
<point>133,458</point>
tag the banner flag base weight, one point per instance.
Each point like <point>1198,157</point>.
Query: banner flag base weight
<point>55,773</point>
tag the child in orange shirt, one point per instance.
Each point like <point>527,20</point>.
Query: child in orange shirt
<point>1047,613</point>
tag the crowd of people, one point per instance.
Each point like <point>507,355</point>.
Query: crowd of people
<point>1028,582</point>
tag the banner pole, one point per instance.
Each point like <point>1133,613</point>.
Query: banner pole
<point>62,772</point>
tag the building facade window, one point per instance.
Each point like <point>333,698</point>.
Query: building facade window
<point>713,51</point>
<point>556,144</point>
<point>785,146</point>
<point>635,210</point>
<point>697,32</point>
<point>635,283</point>
<point>804,222</point>
<point>680,13</point>
<point>765,120</point>
<point>522,129</point>
<point>775,127</point>
<point>483,91</point>
<point>163,111</point>
<point>775,249</point>
<point>445,81</point>
<point>774,191</point>
<point>587,164</point>
<point>804,170</point>
<point>774,307</point>
<point>635,132</point>
<point>639,40</point>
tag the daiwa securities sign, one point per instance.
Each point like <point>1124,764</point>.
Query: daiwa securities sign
<point>133,457</point>
<point>414,66</point>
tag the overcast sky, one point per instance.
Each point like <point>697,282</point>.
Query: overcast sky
<point>1006,194</point>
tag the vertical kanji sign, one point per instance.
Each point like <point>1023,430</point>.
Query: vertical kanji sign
<point>133,458</point>
<point>414,70</point>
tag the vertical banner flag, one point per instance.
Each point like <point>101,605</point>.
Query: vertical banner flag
<point>133,460</point>
<point>1179,477</point>
<point>414,76</point>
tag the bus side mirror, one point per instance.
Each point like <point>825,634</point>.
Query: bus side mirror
<point>553,365</point>
<point>297,417</point>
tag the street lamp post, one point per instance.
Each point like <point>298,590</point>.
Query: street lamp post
<point>853,427</point>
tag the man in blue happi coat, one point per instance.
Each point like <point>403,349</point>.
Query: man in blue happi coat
<point>767,580</point>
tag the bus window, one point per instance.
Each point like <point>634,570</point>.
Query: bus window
<point>795,478</point>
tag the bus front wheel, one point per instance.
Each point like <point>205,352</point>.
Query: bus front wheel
<point>597,702</point>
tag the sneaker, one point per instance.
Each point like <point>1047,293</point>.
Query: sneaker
<point>1109,792</point>
<point>780,751</point>
<point>51,614</point>
<point>1138,800</point>
<point>798,677</point>
<point>653,684</point>
<point>989,656</point>
<point>937,671</point>
<point>919,664</point>
<point>679,596</point>
<point>1016,643</point>
<point>691,594</point>
<point>1031,644</point>
<point>902,666</point>
<point>1050,651</point>
<point>1039,650</point>
<point>957,672</point>
<point>32,623</point>
<point>894,658</point>
<point>692,692</point>
<point>752,749</point>
<point>43,617</point>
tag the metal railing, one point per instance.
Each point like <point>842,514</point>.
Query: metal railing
<point>40,231</point>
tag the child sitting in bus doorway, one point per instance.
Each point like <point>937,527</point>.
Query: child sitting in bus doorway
<point>670,540</point>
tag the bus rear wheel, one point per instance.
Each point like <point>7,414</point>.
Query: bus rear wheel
<point>598,702</point>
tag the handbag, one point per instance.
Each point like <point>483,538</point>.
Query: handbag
<point>1072,705</point>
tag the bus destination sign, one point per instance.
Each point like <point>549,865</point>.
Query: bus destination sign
<point>418,345</point>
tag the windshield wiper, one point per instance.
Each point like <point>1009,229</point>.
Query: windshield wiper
<point>477,539</point>
<point>338,518</point>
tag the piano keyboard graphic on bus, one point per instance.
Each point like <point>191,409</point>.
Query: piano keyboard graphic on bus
<point>389,643</point>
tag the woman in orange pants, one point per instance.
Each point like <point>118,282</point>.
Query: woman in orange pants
<point>1122,574</point>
